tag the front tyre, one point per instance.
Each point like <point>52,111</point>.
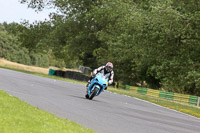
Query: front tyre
<point>94,92</point>
<point>87,96</point>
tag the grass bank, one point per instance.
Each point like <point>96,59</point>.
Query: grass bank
<point>185,108</point>
<point>19,117</point>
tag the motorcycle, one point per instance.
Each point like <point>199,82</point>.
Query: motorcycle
<point>96,86</point>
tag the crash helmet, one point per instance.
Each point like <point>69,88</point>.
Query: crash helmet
<point>109,67</point>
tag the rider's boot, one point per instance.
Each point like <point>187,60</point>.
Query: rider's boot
<point>104,89</point>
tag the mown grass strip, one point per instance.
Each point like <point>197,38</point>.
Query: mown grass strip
<point>17,116</point>
<point>188,109</point>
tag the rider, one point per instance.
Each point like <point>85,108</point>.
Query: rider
<point>107,70</point>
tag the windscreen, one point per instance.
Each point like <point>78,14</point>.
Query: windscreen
<point>103,76</point>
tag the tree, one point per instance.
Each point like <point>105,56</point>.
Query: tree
<point>154,42</point>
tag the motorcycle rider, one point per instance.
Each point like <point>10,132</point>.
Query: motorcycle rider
<point>107,70</point>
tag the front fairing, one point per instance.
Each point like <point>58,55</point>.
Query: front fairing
<point>100,82</point>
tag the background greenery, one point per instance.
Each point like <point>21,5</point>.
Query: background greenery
<point>152,43</point>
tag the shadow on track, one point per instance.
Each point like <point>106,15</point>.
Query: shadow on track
<point>84,98</point>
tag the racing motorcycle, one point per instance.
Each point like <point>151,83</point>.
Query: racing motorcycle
<point>96,86</point>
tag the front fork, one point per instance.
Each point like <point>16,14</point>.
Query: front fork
<point>90,90</point>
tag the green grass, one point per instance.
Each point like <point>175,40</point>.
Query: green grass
<point>185,108</point>
<point>17,116</point>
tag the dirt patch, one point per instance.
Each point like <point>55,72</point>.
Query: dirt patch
<point>7,63</point>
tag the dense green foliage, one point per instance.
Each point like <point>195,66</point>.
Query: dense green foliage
<point>11,49</point>
<point>155,43</point>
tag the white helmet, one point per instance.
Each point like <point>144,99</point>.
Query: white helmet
<point>109,67</point>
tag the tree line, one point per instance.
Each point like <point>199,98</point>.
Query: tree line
<point>153,43</point>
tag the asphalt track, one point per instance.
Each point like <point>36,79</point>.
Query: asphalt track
<point>107,113</point>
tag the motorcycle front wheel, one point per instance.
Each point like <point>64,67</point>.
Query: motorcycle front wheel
<point>93,93</point>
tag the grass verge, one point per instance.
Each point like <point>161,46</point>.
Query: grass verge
<point>185,108</point>
<point>19,117</point>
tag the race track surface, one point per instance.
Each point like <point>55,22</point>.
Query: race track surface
<point>107,113</point>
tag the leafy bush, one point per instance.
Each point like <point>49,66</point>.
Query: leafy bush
<point>11,50</point>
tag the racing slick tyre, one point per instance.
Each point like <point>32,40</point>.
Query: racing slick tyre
<point>87,96</point>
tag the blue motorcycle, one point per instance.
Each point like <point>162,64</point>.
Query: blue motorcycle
<point>96,86</point>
